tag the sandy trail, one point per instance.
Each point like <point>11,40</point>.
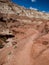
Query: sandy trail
<point>22,57</point>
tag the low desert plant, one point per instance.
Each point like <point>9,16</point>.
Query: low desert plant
<point>3,38</point>
<point>1,45</point>
<point>9,53</point>
<point>15,47</point>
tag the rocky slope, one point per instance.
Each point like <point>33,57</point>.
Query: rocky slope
<point>24,35</point>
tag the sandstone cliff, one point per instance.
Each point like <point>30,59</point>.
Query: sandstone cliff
<point>24,35</point>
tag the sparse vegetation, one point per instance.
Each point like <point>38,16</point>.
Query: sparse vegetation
<point>15,47</point>
<point>9,53</point>
<point>46,28</point>
<point>17,13</point>
<point>3,38</point>
<point>1,45</point>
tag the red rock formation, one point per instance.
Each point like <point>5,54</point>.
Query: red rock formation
<point>24,38</point>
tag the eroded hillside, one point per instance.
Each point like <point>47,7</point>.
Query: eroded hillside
<point>24,35</point>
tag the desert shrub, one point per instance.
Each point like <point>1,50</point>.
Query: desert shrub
<point>3,38</point>
<point>15,47</point>
<point>1,45</point>
<point>46,28</point>
<point>9,53</point>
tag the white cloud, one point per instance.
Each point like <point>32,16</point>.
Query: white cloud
<point>33,0</point>
<point>33,8</point>
<point>43,11</point>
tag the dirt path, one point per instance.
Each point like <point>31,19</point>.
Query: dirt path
<point>22,57</point>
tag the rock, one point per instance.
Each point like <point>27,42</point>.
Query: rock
<point>24,35</point>
<point>4,0</point>
<point>40,50</point>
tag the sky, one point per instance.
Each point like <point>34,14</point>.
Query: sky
<point>42,5</point>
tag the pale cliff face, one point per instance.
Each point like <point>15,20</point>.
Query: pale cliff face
<point>8,7</point>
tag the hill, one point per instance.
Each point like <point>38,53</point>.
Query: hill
<point>24,35</point>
